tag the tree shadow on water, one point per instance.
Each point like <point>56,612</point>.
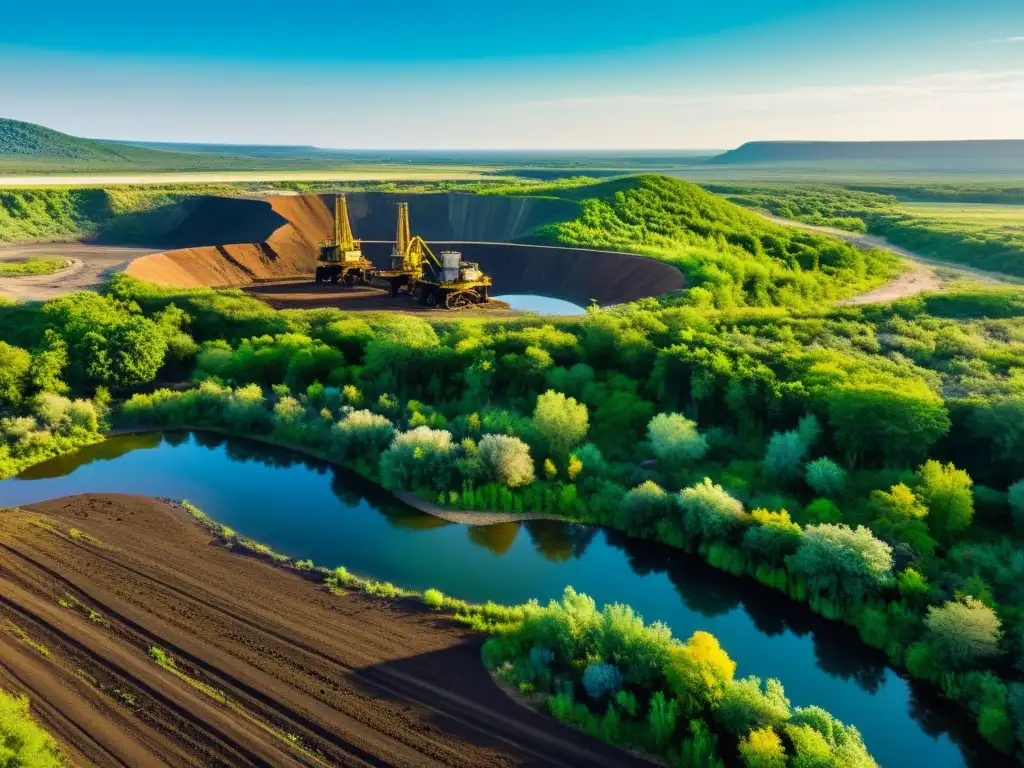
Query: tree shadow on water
<point>560,542</point>
<point>496,539</point>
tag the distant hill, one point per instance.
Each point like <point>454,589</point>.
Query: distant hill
<point>996,155</point>
<point>30,148</point>
<point>30,141</point>
<point>270,152</point>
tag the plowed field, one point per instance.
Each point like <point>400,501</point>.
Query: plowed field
<point>268,669</point>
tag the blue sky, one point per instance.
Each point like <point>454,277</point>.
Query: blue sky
<point>524,74</point>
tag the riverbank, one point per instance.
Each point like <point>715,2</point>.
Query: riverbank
<point>268,668</point>
<point>732,560</point>
<point>414,500</point>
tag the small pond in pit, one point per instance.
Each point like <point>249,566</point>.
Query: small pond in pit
<point>542,305</point>
<point>309,509</point>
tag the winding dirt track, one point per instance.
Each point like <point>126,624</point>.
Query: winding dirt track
<point>93,263</point>
<point>272,670</point>
<point>920,277</point>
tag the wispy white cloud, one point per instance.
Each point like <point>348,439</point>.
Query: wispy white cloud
<point>1011,39</point>
<point>969,84</point>
<point>965,104</point>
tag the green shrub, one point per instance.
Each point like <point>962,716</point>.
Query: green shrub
<point>506,460</point>
<point>674,439</point>
<point>23,743</point>
<point>963,633</point>
<point>825,477</point>
<point>840,562</point>
<point>642,508</point>
<point>362,433</point>
<point>946,491</point>
<point>822,511</point>
<point>561,421</point>
<point>413,458</point>
<point>772,538</point>
<point>662,715</point>
<point>744,706</point>
<point>698,750</point>
<point>784,458</point>
<point>762,748</point>
<point>1015,496</point>
<point>710,513</point>
<point>601,680</point>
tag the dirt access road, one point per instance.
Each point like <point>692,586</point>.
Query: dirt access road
<point>93,263</point>
<point>922,275</point>
<point>270,669</point>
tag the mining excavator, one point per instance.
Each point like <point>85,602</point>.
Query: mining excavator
<point>341,257</point>
<point>447,282</point>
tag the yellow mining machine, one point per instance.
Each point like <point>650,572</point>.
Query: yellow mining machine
<point>449,282</point>
<point>341,257</point>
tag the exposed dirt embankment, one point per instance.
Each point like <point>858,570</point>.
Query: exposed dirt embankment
<point>226,242</point>
<point>269,669</point>
<point>240,242</point>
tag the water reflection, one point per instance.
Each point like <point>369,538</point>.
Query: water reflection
<point>108,450</point>
<point>560,542</point>
<point>496,539</point>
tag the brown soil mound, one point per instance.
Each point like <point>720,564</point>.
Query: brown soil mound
<point>296,225</point>
<point>272,670</point>
<point>243,242</point>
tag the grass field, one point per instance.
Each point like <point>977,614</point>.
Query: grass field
<point>984,236</point>
<point>990,237</point>
<point>968,214</point>
<point>33,266</point>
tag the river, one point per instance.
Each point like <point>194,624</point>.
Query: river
<point>309,509</point>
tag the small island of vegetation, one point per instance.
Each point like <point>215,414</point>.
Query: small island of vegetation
<point>33,266</point>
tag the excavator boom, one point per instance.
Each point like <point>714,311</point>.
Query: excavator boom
<point>402,237</point>
<point>342,227</point>
<point>341,258</point>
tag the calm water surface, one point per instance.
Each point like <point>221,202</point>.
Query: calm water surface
<point>308,509</point>
<point>542,305</point>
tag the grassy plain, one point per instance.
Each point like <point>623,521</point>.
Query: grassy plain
<point>946,226</point>
<point>970,214</point>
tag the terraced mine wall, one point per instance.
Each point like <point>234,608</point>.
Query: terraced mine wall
<point>236,242</point>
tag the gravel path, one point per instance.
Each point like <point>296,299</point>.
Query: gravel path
<point>93,263</point>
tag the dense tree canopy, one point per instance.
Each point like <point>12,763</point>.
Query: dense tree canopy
<point>842,562</point>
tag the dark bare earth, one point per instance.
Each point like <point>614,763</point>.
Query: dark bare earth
<point>274,670</point>
<point>305,294</point>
